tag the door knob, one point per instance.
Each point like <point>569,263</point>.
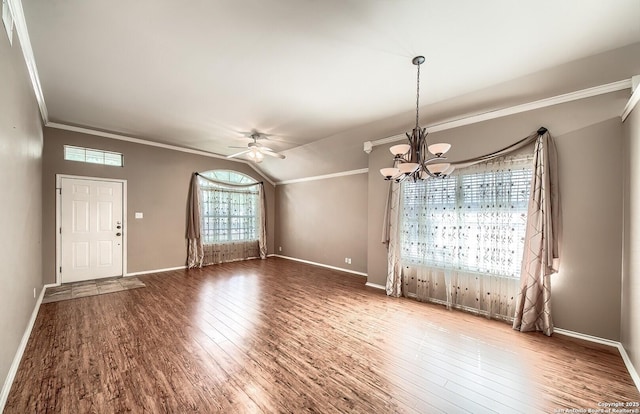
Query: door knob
<point>118,234</point>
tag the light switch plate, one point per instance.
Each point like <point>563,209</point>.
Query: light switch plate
<point>139,215</point>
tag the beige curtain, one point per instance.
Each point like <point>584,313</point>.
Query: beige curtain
<point>195,253</point>
<point>391,233</point>
<point>541,251</point>
<point>262,239</point>
<point>200,254</point>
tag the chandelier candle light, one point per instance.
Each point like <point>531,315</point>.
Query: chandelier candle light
<point>417,159</point>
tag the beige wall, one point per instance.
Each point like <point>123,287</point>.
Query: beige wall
<point>586,291</point>
<point>21,218</point>
<point>630,310</point>
<point>157,185</point>
<point>324,221</point>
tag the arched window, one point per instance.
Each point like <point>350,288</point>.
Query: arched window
<point>228,176</point>
<point>229,214</point>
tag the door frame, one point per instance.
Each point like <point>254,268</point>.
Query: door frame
<point>59,178</point>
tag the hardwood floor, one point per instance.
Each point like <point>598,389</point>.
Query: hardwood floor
<point>280,336</point>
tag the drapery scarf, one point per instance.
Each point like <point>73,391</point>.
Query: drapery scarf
<point>541,254</point>
<point>195,245</point>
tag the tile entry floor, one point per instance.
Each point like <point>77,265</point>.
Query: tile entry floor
<point>91,288</point>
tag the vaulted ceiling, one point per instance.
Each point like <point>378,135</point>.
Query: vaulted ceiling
<point>317,74</point>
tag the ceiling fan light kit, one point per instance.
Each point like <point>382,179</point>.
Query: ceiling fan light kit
<point>256,151</point>
<point>417,159</point>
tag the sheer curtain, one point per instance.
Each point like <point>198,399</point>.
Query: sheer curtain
<point>462,237</point>
<point>225,222</point>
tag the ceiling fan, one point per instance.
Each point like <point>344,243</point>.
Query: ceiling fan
<point>254,150</point>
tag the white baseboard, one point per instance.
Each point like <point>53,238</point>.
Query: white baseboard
<point>13,369</point>
<point>321,265</point>
<point>630,367</point>
<point>623,352</point>
<point>146,272</point>
<point>375,285</point>
<point>585,337</point>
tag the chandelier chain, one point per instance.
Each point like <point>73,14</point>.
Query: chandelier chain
<point>418,97</point>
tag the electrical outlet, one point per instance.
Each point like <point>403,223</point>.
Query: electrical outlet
<point>346,260</point>
<point>349,260</point>
<point>34,293</point>
<point>280,248</point>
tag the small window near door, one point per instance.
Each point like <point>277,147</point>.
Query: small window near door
<point>93,156</point>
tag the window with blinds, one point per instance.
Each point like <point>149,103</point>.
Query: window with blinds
<point>93,156</point>
<point>474,220</point>
<point>229,214</point>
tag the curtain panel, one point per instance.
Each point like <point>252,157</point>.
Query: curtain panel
<point>392,237</point>
<point>542,242</point>
<point>195,247</point>
<point>200,253</point>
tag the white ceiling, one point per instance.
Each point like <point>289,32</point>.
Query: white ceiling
<point>313,72</point>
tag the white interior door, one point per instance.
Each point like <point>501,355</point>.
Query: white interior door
<point>91,237</point>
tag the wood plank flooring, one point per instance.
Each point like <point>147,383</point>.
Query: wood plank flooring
<point>280,336</point>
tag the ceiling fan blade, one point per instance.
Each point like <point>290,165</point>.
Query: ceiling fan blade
<point>237,147</point>
<point>272,153</point>
<point>239,153</point>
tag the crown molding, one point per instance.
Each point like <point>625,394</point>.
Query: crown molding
<point>119,137</point>
<point>20,25</point>
<point>324,177</point>
<point>499,113</point>
<point>633,101</point>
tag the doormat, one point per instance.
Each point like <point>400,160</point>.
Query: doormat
<point>91,288</point>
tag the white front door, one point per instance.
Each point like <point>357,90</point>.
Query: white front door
<point>91,232</point>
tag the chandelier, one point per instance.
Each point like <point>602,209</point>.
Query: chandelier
<point>418,160</point>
